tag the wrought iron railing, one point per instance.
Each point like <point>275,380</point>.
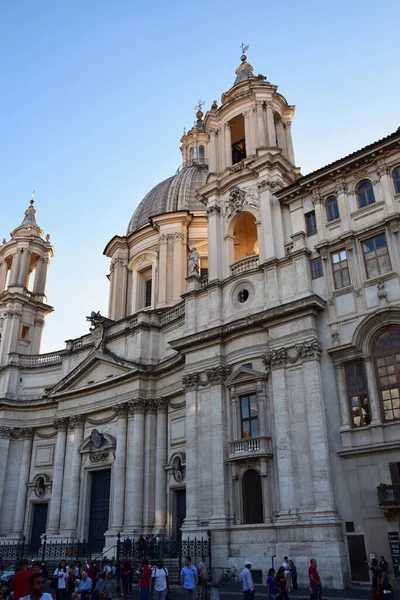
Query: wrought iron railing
<point>388,495</point>
<point>48,551</point>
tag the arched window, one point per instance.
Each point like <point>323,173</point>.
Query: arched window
<point>201,154</point>
<point>191,155</point>
<point>332,209</point>
<point>365,193</point>
<point>396,180</point>
<point>386,353</point>
<point>252,497</point>
<point>245,236</point>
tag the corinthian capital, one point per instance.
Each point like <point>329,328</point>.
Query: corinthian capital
<point>136,406</point>
<point>162,404</point>
<point>5,432</point>
<point>121,409</point>
<point>27,433</point>
<point>76,422</point>
<point>61,424</point>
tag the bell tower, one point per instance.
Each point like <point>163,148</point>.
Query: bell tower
<point>24,263</point>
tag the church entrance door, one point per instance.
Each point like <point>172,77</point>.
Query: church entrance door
<point>38,525</point>
<point>180,512</point>
<point>99,509</point>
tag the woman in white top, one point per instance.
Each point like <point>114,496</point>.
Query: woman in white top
<point>61,575</point>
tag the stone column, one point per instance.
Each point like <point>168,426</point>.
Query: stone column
<point>135,465</point>
<point>343,399</point>
<point>248,134</point>
<point>317,430</point>
<point>343,205</point>
<point>262,135</point>
<point>20,506</point>
<point>271,126</point>
<point>38,274</point>
<point>387,187</point>
<point>214,242</point>
<point>24,266</point>
<point>376,418</point>
<point>5,434</point>
<point>280,134</point>
<point>149,467</point>
<point>228,145</point>
<point>212,152</point>
<point>15,267</point>
<point>38,325</point>
<point>192,476</point>
<point>118,491</point>
<point>319,216</point>
<point>58,472</point>
<point>3,275</point>
<point>219,419</point>
<point>178,262</point>
<point>289,143</point>
<point>265,490</point>
<point>161,460</point>
<point>76,424</point>
<point>162,269</point>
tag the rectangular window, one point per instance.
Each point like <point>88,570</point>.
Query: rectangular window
<point>316,268</point>
<point>357,393</point>
<point>249,416</point>
<point>340,267</point>
<point>147,301</point>
<point>376,256</point>
<point>311,223</point>
<point>25,332</point>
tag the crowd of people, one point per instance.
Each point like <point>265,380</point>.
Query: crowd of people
<point>381,587</point>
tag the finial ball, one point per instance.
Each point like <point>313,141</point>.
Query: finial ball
<point>32,202</point>
<point>243,57</point>
<point>199,114</point>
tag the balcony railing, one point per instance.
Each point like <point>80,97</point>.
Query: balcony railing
<point>201,162</point>
<point>245,264</point>
<point>246,447</point>
<point>389,495</point>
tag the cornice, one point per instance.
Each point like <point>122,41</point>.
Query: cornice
<point>265,318</point>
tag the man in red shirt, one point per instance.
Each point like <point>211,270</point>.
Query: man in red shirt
<point>20,581</point>
<point>145,577</point>
<point>315,580</point>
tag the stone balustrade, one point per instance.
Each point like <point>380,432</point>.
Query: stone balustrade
<point>249,447</point>
<point>245,264</point>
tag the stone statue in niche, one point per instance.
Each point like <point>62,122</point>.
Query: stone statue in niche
<point>178,470</point>
<point>194,261</point>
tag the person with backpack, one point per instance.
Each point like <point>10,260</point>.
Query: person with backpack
<point>385,589</point>
<point>159,581</point>
<point>375,579</point>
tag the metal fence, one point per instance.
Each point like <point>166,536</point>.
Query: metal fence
<point>47,552</point>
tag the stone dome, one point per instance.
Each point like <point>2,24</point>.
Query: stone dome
<point>173,194</point>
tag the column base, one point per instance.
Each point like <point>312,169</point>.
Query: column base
<point>160,530</point>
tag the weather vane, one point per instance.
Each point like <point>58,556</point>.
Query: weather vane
<point>244,48</point>
<point>199,105</point>
<point>33,195</point>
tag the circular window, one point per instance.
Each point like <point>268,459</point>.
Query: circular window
<point>243,295</point>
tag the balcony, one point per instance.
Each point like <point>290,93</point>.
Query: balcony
<point>253,447</point>
<point>245,264</point>
<point>389,500</point>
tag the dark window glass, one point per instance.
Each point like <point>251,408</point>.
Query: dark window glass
<point>201,154</point>
<point>249,415</point>
<point>376,256</point>
<point>252,497</point>
<point>350,527</point>
<point>332,209</point>
<point>316,268</point>
<point>366,194</point>
<point>396,180</point>
<point>340,267</point>
<point>357,394</point>
<point>238,151</point>
<point>148,292</point>
<point>311,223</point>
<point>386,353</point>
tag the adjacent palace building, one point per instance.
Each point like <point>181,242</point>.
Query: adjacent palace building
<point>246,380</point>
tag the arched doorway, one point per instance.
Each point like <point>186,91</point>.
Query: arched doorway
<point>252,497</point>
<point>245,241</point>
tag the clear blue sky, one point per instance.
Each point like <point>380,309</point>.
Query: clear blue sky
<point>95,95</point>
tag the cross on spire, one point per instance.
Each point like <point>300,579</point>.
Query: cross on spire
<point>199,105</point>
<point>244,47</point>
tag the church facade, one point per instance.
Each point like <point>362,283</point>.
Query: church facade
<point>246,380</point>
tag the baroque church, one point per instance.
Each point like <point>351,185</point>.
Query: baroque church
<point>246,380</point>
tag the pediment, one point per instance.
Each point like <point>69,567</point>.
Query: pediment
<point>243,375</point>
<point>95,369</point>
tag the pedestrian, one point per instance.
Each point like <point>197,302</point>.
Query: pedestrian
<point>375,577</point>
<point>109,589</point>
<point>286,567</point>
<point>60,575</point>
<point>84,588</point>
<point>271,585</point>
<point>37,584</point>
<point>293,575</point>
<point>127,577</point>
<point>189,579</point>
<point>203,577</point>
<point>281,584</point>
<point>315,580</point>
<point>385,589</point>
<point>383,564</point>
<point>98,588</point>
<point>20,581</point>
<point>159,581</point>
<point>144,578</point>
<point>246,580</point>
